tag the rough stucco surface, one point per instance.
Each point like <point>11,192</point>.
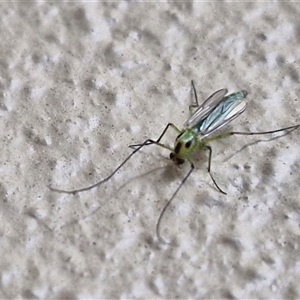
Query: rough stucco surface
<point>79,83</point>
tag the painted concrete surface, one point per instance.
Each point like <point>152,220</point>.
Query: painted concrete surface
<point>82,81</point>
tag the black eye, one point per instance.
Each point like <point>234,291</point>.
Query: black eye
<point>188,144</point>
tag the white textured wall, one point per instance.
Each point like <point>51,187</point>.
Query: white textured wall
<point>79,83</point>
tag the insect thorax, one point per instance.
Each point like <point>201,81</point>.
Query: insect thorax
<point>185,144</point>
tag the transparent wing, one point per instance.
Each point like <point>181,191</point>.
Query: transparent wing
<point>226,111</point>
<point>206,107</point>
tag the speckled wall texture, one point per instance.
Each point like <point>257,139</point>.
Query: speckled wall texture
<point>82,81</point>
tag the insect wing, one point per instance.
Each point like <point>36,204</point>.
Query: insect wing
<point>229,109</point>
<point>206,107</point>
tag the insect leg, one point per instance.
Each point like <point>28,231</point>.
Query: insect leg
<point>228,134</point>
<point>147,142</point>
<point>196,105</point>
<point>209,166</point>
<point>289,129</point>
<point>160,137</point>
<point>169,202</point>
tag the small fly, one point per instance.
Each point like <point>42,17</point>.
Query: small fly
<point>217,111</point>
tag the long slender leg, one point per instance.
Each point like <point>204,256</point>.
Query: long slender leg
<point>196,105</point>
<point>227,134</point>
<point>160,137</point>
<point>290,128</point>
<point>147,142</point>
<point>136,149</point>
<point>170,200</point>
<point>209,166</point>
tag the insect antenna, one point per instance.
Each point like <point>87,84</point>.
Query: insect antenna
<point>169,202</point>
<point>140,146</point>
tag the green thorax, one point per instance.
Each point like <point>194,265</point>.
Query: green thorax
<point>186,143</point>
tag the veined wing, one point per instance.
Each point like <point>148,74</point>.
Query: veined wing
<point>205,108</point>
<point>227,110</point>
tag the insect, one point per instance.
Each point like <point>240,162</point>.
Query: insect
<point>217,111</point>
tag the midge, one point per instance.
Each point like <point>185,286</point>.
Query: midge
<point>213,114</point>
